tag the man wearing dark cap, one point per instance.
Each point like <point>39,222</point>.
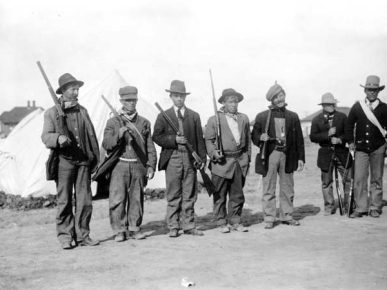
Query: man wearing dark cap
<point>229,167</point>
<point>78,154</point>
<point>328,130</point>
<point>283,155</point>
<point>136,164</point>
<point>180,172</point>
<point>366,133</point>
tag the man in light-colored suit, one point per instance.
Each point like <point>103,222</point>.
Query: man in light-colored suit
<point>229,167</point>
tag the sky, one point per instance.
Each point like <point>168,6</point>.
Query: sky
<point>308,47</point>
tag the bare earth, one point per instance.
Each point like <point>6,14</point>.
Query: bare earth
<point>323,253</point>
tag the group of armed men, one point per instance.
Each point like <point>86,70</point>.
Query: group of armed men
<point>276,131</point>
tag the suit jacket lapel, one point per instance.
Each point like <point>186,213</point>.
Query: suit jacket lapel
<point>225,127</point>
<point>287,122</point>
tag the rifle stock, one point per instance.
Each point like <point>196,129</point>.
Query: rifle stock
<point>263,153</point>
<point>198,161</point>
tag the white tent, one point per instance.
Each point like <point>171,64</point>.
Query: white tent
<point>23,155</point>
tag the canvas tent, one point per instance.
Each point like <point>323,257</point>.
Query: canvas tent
<point>23,155</point>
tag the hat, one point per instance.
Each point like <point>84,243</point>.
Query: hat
<point>228,93</point>
<point>273,91</point>
<point>67,79</point>
<point>373,82</point>
<point>128,93</point>
<point>177,87</point>
<point>328,98</point>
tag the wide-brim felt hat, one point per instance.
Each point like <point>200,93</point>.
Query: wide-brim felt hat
<point>228,93</point>
<point>328,99</point>
<point>128,93</point>
<point>177,87</point>
<point>373,83</point>
<point>66,79</point>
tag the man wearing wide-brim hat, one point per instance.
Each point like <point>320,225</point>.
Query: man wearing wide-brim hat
<point>278,130</point>
<point>229,161</point>
<point>368,117</point>
<point>180,172</point>
<point>136,164</point>
<point>328,130</point>
<point>78,154</point>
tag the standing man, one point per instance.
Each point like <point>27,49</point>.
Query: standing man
<point>78,154</point>
<point>229,168</point>
<point>180,172</point>
<point>136,164</point>
<point>366,133</point>
<point>284,154</point>
<point>328,131</point>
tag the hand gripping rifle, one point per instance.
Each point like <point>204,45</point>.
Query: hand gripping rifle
<point>218,136</point>
<point>63,130</point>
<point>198,161</point>
<point>139,144</point>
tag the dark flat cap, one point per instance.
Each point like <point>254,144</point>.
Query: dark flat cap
<point>128,92</point>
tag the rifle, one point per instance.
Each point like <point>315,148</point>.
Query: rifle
<point>53,158</point>
<point>139,144</point>
<point>198,161</point>
<point>218,136</point>
<point>337,183</point>
<point>351,197</point>
<point>62,116</point>
<point>263,152</point>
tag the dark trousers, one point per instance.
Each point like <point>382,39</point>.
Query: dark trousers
<point>234,188</point>
<point>126,196</point>
<point>181,191</point>
<point>327,187</point>
<point>71,177</point>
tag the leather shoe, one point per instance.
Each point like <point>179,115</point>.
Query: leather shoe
<point>356,214</point>
<point>194,232</point>
<point>173,233</point>
<point>137,235</point>
<point>224,229</point>
<point>239,228</point>
<point>88,242</point>
<point>120,237</point>
<point>291,223</point>
<point>269,226</point>
<point>374,213</point>
<point>66,245</point>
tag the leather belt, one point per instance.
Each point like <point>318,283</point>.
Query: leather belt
<point>234,154</point>
<point>128,159</point>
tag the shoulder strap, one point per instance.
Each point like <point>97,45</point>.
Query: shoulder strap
<point>370,115</point>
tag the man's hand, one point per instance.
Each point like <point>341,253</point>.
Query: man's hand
<point>300,165</point>
<point>63,141</point>
<point>217,156</point>
<point>352,146</point>
<point>264,137</point>
<point>122,131</point>
<point>335,140</point>
<point>150,173</point>
<point>332,131</point>
<point>181,140</point>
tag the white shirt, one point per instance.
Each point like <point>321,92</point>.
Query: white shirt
<point>233,124</point>
<point>182,110</point>
<point>372,105</point>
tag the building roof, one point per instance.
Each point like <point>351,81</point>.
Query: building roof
<point>309,118</point>
<point>16,114</point>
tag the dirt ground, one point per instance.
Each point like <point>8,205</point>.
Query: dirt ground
<point>323,253</point>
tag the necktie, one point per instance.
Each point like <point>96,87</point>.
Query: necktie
<point>180,119</point>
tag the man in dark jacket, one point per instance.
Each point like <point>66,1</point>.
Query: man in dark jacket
<point>78,158</point>
<point>178,164</point>
<point>328,131</point>
<point>136,164</point>
<point>369,140</point>
<point>283,155</point>
<point>230,170</point>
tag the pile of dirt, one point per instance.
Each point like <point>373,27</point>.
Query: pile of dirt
<point>17,202</point>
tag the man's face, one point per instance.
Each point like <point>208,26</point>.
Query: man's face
<point>70,92</point>
<point>371,94</point>
<point>231,104</point>
<point>279,100</point>
<point>129,105</point>
<point>178,99</point>
<point>329,108</point>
